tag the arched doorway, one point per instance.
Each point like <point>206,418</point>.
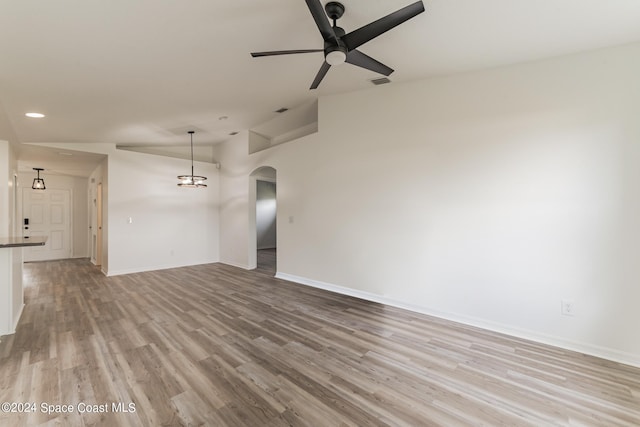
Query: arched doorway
<point>262,220</point>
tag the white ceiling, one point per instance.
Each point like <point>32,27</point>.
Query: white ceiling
<point>57,161</point>
<point>145,71</point>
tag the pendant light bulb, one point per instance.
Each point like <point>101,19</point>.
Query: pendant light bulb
<point>38,183</point>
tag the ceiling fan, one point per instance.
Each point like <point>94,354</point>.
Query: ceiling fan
<point>340,47</point>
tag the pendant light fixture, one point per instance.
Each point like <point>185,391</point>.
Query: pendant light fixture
<point>38,183</point>
<point>192,181</point>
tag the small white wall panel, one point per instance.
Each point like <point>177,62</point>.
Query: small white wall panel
<point>56,240</point>
<point>57,214</point>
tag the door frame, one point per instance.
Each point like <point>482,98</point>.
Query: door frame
<point>254,177</point>
<point>99,224</point>
<point>69,207</point>
<point>96,224</point>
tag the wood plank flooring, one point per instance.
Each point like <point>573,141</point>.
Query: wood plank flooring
<point>217,345</point>
<point>266,261</point>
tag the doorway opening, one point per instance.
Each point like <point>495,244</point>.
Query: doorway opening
<point>14,229</point>
<point>263,220</point>
<point>48,213</point>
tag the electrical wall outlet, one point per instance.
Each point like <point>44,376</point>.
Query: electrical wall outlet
<point>567,307</point>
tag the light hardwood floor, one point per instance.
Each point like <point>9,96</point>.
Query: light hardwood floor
<point>217,345</point>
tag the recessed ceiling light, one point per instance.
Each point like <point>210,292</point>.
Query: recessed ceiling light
<point>35,115</point>
<point>233,133</point>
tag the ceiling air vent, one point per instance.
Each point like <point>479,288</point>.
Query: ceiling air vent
<point>233,133</point>
<point>282,110</point>
<point>380,81</point>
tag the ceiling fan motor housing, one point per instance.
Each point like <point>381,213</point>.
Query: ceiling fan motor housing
<point>335,51</point>
<point>334,10</point>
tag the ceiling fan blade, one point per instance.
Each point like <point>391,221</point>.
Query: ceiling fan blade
<point>355,57</point>
<point>284,52</point>
<point>317,11</point>
<point>321,73</point>
<point>364,34</point>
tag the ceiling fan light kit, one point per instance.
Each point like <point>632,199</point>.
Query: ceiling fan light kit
<point>336,57</point>
<point>340,47</point>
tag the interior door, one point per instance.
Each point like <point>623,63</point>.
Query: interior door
<point>47,213</point>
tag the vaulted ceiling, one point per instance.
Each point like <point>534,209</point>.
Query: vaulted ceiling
<point>143,72</point>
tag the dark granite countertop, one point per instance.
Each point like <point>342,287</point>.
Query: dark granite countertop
<point>16,242</point>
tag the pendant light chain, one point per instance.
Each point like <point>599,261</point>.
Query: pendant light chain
<point>191,134</point>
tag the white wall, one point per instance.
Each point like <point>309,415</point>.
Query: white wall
<point>4,189</point>
<point>234,194</point>
<point>484,197</point>
<point>170,226</point>
<point>8,167</point>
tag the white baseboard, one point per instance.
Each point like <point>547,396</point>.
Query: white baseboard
<point>233,264</point>
<point>112,273</point>
<point>17,319</point>
<point>14,323</point>
<point>585,348</point>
